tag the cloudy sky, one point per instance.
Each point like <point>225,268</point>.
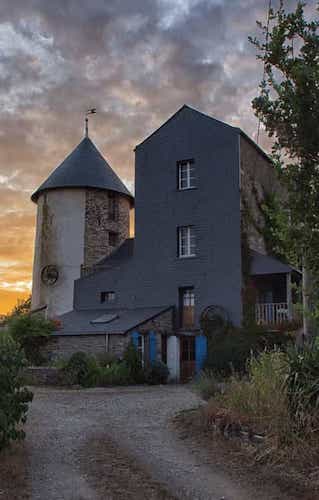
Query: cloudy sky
<point>136,61</point>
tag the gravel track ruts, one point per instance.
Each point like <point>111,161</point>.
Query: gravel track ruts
<point>136,420</point>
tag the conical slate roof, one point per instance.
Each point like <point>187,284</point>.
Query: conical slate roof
<point>84,167</point>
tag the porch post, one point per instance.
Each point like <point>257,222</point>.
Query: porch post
<point>289,295</point>
<point>173,361</point>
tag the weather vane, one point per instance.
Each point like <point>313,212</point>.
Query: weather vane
<point>91,111</point>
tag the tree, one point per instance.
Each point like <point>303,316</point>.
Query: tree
<point>288,106</point>
<point>23,306</point>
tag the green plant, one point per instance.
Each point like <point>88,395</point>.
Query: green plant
<point>106,359</point>
<point>81,369</point>
<point>133,363</point>
<point>14,398</point>
<point>232,350</point>
<point>31,332</point>
<point>156,373</point>
<point>114,374</point>
<point>303,385</point>
<point>206,385</point>
<point>261,395</point>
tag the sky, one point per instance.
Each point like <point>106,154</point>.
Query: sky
<point>137,62</point>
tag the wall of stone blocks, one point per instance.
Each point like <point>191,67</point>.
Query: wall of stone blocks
<point>257,177</point>
<point>98,225</point>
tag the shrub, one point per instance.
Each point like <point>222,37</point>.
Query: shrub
<point>206,385</point>
<point>157,373</point>
<point>233,350</point>
<point>261,396</point>
<point>303,385</point>
<point>31,332</point>
<point>114,374</point>
<point>133,363</point>
<point>14,398</point>
<point>82,369</point>
<point>106,359</point>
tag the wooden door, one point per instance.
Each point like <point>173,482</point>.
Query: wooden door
<point>187,357</point>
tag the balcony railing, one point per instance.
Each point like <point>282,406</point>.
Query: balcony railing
<point>272,313</point>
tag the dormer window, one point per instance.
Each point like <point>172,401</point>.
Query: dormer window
<point>186,174</point>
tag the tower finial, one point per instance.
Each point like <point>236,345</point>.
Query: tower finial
<point>91,111</point>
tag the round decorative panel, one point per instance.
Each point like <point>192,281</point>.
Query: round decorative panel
<point>50,275</point>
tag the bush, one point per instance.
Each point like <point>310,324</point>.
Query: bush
<point>14,398</point>
<point>106,359</point>
<point>114,374</point>
<point>157,373</point>
<point>231,352</point>
<point>134,364</point>
<point>81,369</point>
<point>31,332</point>
<point>303,385</point>
<point>261,396</point>
<point>206,385</point>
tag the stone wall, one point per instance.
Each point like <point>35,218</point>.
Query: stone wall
<point>257,178</point>
<point>98,225</point>
<point>161,324</point>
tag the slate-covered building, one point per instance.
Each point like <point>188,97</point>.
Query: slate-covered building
<point>194,176</point>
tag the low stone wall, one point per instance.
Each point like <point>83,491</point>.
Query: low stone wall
<point>42,375</point>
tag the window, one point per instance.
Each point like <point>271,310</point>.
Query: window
<point>186,174</point>
<point>140,348</point>
<point>187,307</point>
<point>113,206</point>
<point>186,241</point>
<point>107,297</point>
<point>113,239</point>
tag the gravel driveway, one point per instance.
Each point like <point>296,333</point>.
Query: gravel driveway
<point>141,451</point>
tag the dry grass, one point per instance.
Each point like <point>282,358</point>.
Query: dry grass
<point>260,404</point>
<point>14,481</point>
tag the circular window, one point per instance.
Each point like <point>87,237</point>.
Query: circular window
<point>49,275</point>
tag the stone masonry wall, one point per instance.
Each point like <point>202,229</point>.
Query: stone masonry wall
<point>98,225</point>
<point>63,346</point>
<point>257,178</point>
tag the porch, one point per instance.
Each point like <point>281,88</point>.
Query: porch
<point>272,289</point>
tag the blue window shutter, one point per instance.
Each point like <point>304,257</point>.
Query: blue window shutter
<point>201,351</point>
<point>134,337</point>
<point>152,346</point>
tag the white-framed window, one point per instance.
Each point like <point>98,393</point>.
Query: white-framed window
<point>186,241</point>
<point>186,174</point>
<point>141,348</point>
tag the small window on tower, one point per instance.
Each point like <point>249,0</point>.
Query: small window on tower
<point>113,206</point>
<point>107,297</point>
<point>113,238</point>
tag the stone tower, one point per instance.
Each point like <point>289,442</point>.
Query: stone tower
<point>83,212</point>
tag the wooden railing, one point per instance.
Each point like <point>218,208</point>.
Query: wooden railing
<point>271,313</point>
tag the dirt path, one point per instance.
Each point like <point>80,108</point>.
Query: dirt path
<point>118,444</point>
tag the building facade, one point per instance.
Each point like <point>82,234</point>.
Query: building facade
<point>192,177</point>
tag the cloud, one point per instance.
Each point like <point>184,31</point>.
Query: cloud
<point>137,62</point>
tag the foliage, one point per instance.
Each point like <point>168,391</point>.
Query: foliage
<point>133,363</point>
<point>157,373</point>
<point>206,384</point>
<point>114,374</point>
<point>14,398</point>
<point>106,359</point>
<point>82,369</point>
<point>231,353</point>
<point>288,107</point>
<point>261,397</point>
<point>23,306</point>
<point>303,382</point>
<point>31,331</point>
